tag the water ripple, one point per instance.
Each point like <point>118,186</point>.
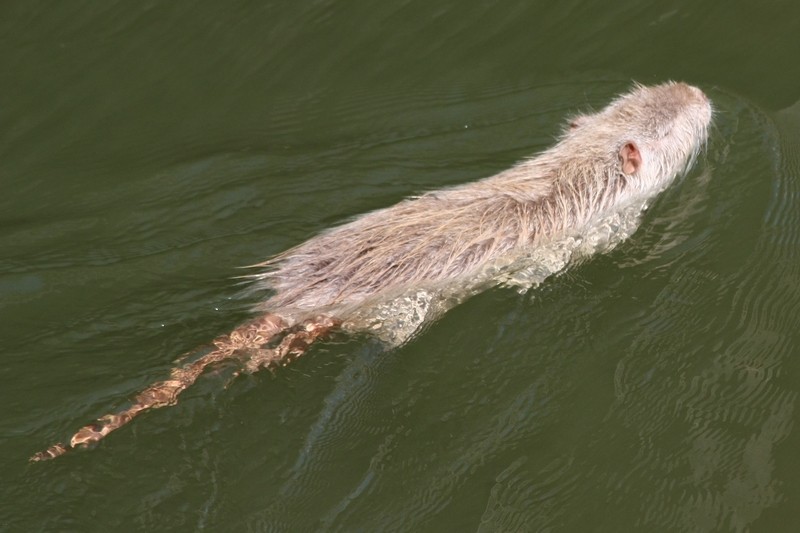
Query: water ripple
<point>727,397</point>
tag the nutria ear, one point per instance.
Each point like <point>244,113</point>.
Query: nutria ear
<point>631,158</point>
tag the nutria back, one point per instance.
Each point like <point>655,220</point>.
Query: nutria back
<point>604,162</point>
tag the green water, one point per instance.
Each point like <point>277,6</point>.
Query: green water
<point>148,149</point>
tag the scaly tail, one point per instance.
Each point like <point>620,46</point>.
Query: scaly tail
<point>244,343</point>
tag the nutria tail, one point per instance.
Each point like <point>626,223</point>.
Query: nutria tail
<point>245,344</point>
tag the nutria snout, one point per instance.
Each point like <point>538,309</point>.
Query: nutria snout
<point>389,271</point>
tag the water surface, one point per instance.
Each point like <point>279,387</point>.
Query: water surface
<point>148,150</point>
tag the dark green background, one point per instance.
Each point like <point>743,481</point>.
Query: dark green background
<point>147,149</point>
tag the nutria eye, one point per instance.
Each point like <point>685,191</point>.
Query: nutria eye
<point>577,122</point>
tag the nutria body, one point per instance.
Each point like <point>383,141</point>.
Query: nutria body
<point>414,260</point>
<point>628,152</point>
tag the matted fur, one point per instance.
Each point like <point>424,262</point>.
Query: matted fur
<point>603,163</point>
<point>450,234</point>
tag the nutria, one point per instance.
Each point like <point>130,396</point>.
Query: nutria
<point>389,271</point>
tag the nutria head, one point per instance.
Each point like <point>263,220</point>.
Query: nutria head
<point>647,136</point>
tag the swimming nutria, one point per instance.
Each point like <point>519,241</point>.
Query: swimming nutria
<point>388,271</point>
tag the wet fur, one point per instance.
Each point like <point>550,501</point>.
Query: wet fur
<point>450,234</point>
<point>603,162</point>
